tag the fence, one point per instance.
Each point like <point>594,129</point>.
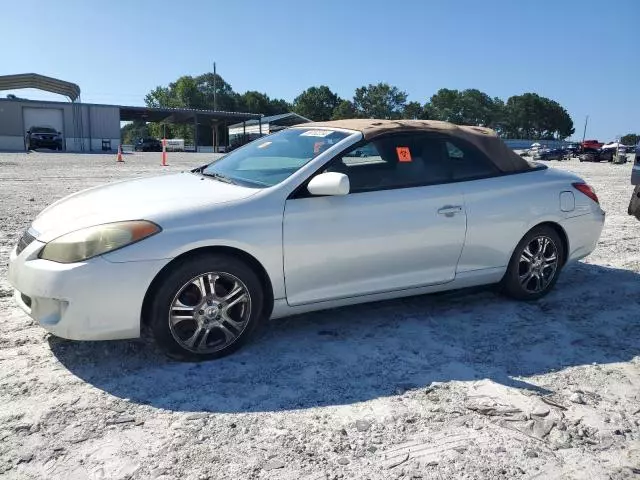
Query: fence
<point>516,144</point>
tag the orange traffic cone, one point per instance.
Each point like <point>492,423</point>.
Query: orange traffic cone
<point>164,152</point>
<point>119,158</point>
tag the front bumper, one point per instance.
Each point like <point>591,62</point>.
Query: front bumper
<point>43,143</point>
<point>91,300</point>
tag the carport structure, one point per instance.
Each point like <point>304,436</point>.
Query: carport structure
<point>53,85</point>
<point>209,118</point>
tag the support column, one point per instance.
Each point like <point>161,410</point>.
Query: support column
<point>214,134</point>
<point>195,131</point>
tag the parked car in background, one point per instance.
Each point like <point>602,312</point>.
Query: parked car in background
<point>634,203</point>
<point>148,145</point>
<point>550,154</point>
<point>43,137</point>
<point>316,216</point>
<point>601,155</point>
<point>573,149</point>
<point>591,145</point>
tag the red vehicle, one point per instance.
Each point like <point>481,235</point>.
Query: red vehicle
<point>591,145</point>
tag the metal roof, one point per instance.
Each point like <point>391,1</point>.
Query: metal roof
<point>181,115</point>
<point>153,114</point>
<point>277,119</point>
<point>33,80</point>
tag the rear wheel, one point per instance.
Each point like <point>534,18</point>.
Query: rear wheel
<point>535,264</point>
<point>634,203</point>
<point>206,307</point>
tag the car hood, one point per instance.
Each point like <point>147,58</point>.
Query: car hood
<point>151,198</point>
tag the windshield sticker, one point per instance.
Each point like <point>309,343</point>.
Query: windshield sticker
<point>264,145</point>
<point>404,154</point>
<point>317,147</point>
<point>316,133</point>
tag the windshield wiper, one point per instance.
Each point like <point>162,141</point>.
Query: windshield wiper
<point>220,177</point>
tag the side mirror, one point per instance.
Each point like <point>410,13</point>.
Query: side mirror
<point>28,131</point>
<point>329,183</point>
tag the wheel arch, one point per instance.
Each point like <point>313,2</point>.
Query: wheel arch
<point>561,233</point>
<point>209,250</point>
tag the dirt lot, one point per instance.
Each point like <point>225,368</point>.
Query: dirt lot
<point>450,386</point>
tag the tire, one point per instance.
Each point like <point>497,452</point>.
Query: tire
<point>634,203</point>
<point>178,309</point>
<point>544,277</point>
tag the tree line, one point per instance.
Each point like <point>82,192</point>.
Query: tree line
<point>529,115</point>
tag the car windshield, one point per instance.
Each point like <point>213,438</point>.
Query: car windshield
<point>270,160</point>
<point>43,130</point>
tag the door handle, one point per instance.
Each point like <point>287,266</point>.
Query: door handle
<point>449,210</point>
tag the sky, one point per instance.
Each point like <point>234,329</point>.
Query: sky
<point>581,53</point>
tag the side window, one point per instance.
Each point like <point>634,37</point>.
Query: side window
<point>467,162</point>
<point>398,161</point>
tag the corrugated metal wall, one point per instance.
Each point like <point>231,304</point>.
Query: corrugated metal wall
<point>95,122</point>
<point>105,121</point>
<point>11,118</point>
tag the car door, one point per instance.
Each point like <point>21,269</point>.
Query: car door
<point>498,207</point>
<point>401,226</point>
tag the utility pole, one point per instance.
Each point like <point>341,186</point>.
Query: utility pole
<point>215,105</point>
<point>584,133</point>
<point>215,108</point>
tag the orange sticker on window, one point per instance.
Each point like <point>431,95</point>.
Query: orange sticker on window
<point>317,146</point>
<point>404,154</point>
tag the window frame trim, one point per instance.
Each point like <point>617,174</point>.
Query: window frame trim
<point>301,190</point>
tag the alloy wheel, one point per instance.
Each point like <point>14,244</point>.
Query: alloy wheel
<point>538,264</point>
<point>210,312</point>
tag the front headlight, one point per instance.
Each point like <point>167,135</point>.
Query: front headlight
<point>93,241</point>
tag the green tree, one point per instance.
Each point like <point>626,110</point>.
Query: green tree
<point>254,102</point>
<point>630,139</point>
<point>344,109</point>
<point>316,103</point>
<point>445,105</point>
<point>413,111</point>
<point>477,108</point>
<point>191,92</point>
<point>194,92</point>
<point>134,130</point>
<point>278,106</point>
<point>226,98</point>
<point>379,101</point>
<point>466,107</point>
<point>534,117</point>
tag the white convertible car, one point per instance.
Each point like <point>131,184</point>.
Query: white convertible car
<point>312,217</point>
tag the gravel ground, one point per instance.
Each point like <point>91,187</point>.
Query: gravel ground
<point>456,385</point>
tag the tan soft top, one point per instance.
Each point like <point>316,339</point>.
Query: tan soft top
<point>483,138</point>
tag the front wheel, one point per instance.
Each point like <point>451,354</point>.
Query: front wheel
<point>535,264</point>
<point>206,307</point>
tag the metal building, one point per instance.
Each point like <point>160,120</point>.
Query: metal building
<point>86,127</point>
<point>83,127</point>
<point>250,130</point>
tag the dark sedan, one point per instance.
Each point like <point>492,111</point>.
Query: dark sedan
<point>43,137</point>
<point>551,154</point>
<point>148,145</point>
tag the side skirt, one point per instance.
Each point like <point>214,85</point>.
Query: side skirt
<point>463,280</point>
